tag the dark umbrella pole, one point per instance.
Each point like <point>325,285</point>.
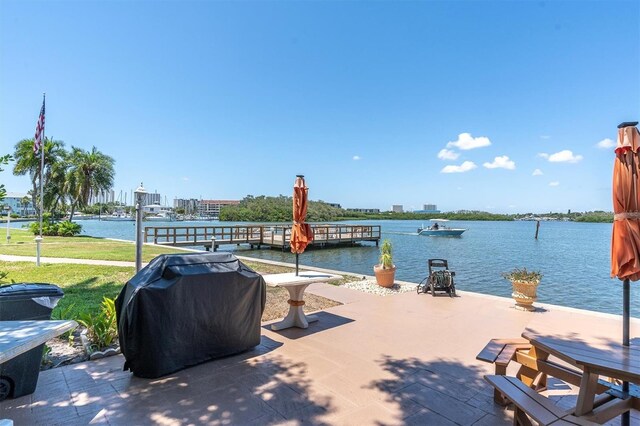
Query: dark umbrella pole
<point>626,419</point>
<point>298,255</point>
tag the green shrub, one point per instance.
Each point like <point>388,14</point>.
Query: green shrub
<point>68,229</point>
<point>61,229</point>
<point>102,329</point>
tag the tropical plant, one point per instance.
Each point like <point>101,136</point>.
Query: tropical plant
<point>386,257</point>
<point>102,329</point>
<point>26,162</point>
<point>45,355</point>
<point>90,172</point>
<point>522,275</point>
<point>61,314</point>
<point>65,228</point>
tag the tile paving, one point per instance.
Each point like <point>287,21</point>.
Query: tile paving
<point>405,359</point>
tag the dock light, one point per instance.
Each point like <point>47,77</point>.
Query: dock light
<point>139,193</point>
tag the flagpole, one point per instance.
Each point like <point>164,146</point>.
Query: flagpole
<point>39,238</point>
<point>42,169</point>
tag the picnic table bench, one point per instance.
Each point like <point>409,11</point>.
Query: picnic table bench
<point>501,352</point>
<point>583,364</point>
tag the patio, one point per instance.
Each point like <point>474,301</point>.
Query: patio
<point>405,359</point>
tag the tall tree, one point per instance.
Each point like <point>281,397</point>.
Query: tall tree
<point>26,162</point>
<point>24,201</point>
<point>90,172</point>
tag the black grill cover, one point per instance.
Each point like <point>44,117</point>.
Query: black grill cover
<point>184,309</point>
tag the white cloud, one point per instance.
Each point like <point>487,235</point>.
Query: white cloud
<point>512,206</point>
<point>466,141</point>
<point>537,172</point>
<point>464,167</point>
<point>186,179</point>
<point>554,183</point>
<point>356,157</point>
<point>545,137</point>
<point>501,162</point>
<point>606,143</point>
<point>564,156</point>
<point>447,154</point>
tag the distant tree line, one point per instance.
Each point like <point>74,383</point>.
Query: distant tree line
<point>277,209</point>
<point>280,209</point>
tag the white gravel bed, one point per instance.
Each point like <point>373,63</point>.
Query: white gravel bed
<point>370,286</point>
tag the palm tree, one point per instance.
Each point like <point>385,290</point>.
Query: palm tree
<point>24,201</point>
<point>26,162</point>
<point>90,172</point>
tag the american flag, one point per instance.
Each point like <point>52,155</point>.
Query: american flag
<point>37,140</point>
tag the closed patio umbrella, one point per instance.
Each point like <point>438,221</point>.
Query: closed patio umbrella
<point>625,238</point>
<point>301,233</point>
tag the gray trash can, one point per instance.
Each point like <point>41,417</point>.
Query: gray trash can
<point>21,302</point>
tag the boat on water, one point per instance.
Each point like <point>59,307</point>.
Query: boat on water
<point>439,229</point>
<point>118,216</point>
<point>162,216</point>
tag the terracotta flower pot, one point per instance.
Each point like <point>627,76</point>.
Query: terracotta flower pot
<point>385,277</point>
<point>524,293</point>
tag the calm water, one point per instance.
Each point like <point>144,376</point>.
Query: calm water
<point>573,257</point>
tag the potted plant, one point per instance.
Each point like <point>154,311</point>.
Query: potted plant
<point>385,271</point>
<point>525,284</point>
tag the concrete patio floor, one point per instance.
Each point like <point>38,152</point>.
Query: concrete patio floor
<point>404,359</point>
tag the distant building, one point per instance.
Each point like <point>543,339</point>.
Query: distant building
<point>428,208</point>
<point>189,205</point>
<point>211,208</point>
<point>150,198</point>
<point>397,208</point>
<point>14,201</point>
<point>336,205</point>
<point>364,210</point>
<point>103,197</point>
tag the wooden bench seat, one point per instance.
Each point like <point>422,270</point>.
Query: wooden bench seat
<point>501,352</point>
<point>529,403</point>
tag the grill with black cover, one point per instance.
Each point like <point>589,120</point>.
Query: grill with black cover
<point>185,309</point>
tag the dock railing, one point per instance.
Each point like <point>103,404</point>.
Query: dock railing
<point>277,236</point>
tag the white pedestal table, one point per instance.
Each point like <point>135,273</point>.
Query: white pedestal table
<point>296,285</point>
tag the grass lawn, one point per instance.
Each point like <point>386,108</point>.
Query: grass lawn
<point>22,244</point>
<point>83,285</point>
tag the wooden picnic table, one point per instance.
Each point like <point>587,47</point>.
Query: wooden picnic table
<point>18,337</point>
<point>296,285</point>
<point>612,361</point>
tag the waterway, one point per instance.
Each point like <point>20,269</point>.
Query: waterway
<point>573,257</point>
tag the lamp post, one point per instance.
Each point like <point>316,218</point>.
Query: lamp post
<point>139,193</point>
<point>8,208</point>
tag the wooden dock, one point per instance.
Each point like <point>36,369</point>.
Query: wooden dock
<point>256,236</point>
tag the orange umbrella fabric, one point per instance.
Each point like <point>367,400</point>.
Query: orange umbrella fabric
<point>301,234</point>
<point>625,239</point>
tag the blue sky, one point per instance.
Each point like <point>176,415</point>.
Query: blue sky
<point>377,103</point>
